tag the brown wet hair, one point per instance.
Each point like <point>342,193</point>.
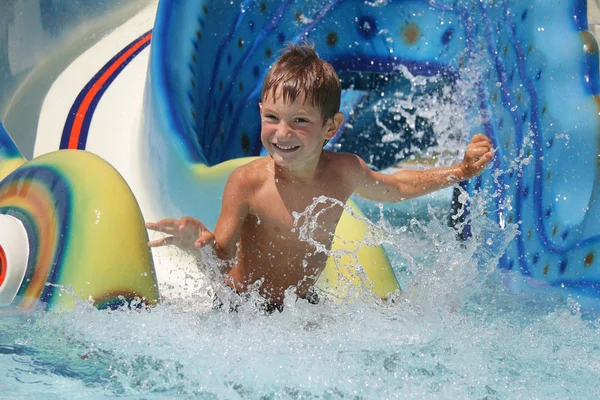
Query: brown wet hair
<point>300,73</point>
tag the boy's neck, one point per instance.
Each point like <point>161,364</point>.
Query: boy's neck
<point>305,174</point>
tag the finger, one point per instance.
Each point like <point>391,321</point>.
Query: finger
<point>474,155</point>
<point>204,238</point>
<point>480,143</point>
<point>478,151</point>
<point>167,221</point>
<point>479,137</point>
<point>483,161</point>
<point>166,241</point>
<point>201,243</point>
<point>161,228</point>
<point>188,222</point>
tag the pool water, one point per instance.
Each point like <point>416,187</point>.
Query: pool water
<point>456,333</point>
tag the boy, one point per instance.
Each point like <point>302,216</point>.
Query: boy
<point>254,234</point>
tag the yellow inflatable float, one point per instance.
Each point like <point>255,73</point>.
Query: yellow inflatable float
<point>70,227</point>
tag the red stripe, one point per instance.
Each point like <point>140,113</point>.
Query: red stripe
<point>3,266</point>
<point>83,107</point>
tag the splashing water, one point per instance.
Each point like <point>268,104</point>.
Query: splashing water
<point>457,333</point>
<point>443,111</point>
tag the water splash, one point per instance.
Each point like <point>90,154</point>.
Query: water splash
<point>496,345</point>
<point>443,273</point>
<point>458,334</point>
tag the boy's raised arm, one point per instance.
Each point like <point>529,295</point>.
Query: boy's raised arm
<point>408,184</point>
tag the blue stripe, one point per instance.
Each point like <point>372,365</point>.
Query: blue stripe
<point>64,142</point>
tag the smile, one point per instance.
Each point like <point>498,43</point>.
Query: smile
<point>285,148</point>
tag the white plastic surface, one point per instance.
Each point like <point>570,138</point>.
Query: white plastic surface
<point>14,242</point>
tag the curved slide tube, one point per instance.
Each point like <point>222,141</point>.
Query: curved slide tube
<point>70,227</point>
<point>535,95</point>
<point>539,103</point>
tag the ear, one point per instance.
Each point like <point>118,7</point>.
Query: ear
<point>334,124</point>
<point>260,106</point>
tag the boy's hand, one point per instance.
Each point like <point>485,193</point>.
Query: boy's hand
<point>479,153</point>
<point>188,233</point>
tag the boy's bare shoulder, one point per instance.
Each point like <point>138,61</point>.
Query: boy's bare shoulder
<point>345,167</point>
<point>347,161</point>
<point>253,173</point>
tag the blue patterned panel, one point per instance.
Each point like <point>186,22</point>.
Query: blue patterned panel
<point>531,65</point>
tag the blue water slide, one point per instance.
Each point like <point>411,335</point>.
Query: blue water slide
<point>539,104</point>
<point>533,69</point>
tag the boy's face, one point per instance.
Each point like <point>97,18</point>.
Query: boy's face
<point>294,134</point>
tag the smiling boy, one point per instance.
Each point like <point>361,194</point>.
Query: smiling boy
<point>255,233</point>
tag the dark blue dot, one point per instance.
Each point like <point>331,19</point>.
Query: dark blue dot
<point>525,193</point>
<point>367,27</point>
<point>511,76</point>
<point>230,108</point>
<point>564,235</point>
<point>190,97</point>
<point>191,68</point>
<point>447,36</point>
<point>539,75</point>
<point>548,212</point>
<point>501,123</point>
<point>550,142</point>
<point>256,71</point>
<point>251,25</point>
<point>524,15</point>
<point>511,264</point>
<point>562,266</point>
<point>524,117</point>
<point>229,59</point>
<point>280,38</point>
<point>511,174</point>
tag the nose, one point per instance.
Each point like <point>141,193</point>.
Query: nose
<point>283,130</point>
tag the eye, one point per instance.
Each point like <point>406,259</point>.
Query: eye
<point>301,120</point>
<point>271,117</point>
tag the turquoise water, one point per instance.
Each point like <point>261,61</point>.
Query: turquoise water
<point>457,333</point>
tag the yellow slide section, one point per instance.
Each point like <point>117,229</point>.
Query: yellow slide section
<point>353,266</point>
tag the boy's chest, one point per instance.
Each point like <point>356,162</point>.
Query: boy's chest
<point>285,212</point>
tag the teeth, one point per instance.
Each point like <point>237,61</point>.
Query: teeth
<point>285,147</point>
